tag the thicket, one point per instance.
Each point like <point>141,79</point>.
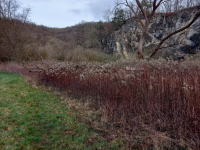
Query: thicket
<point>158,96</point>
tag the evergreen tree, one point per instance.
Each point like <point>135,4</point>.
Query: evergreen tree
<point>119,18</point>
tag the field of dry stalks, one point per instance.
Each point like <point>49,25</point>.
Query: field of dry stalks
<point>158,96</point>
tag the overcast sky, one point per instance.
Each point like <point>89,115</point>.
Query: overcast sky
<point>63,13</point>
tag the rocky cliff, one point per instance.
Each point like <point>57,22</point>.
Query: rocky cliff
<point>125,40</point>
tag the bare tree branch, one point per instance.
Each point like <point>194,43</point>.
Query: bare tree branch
<point>175,32</point>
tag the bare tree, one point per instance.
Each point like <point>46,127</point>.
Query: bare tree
<point>15,38</point>
<point>147,10</point>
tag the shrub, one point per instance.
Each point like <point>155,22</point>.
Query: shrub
<point>79,54</point>
<point>158,96</point>
<point>44,54</point>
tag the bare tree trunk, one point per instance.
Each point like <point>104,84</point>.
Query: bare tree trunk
<point>144,11</point>
<point>141,42</point>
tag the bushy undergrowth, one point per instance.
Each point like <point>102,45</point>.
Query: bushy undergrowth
<point>159,96</point>
<point>79,54</point>
<point>13,67</point>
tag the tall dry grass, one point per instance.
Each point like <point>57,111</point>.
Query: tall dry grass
<point>161,96</point>
<point>13,67</point>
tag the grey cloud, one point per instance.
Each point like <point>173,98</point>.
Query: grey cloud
<point>93,9</point>
<point>97,8</point>
<point>44,10</point>
<point>75,11</point>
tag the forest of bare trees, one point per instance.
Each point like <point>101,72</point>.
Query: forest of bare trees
<point>18,43</point>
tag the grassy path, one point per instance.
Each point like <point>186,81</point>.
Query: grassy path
<point>34,119</point>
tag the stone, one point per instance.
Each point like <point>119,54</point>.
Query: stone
<point>128,36</point>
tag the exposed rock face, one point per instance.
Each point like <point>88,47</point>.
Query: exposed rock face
<point>126,38</point>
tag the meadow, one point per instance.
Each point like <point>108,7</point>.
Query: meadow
<point>157,100</point>
<point>32,118</point>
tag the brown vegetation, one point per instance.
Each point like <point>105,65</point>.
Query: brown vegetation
<point>161,97</point>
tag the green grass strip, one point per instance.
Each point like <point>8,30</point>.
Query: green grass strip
<point>35,119</point>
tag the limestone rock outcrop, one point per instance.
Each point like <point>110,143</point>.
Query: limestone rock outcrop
<point>125,40</point>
